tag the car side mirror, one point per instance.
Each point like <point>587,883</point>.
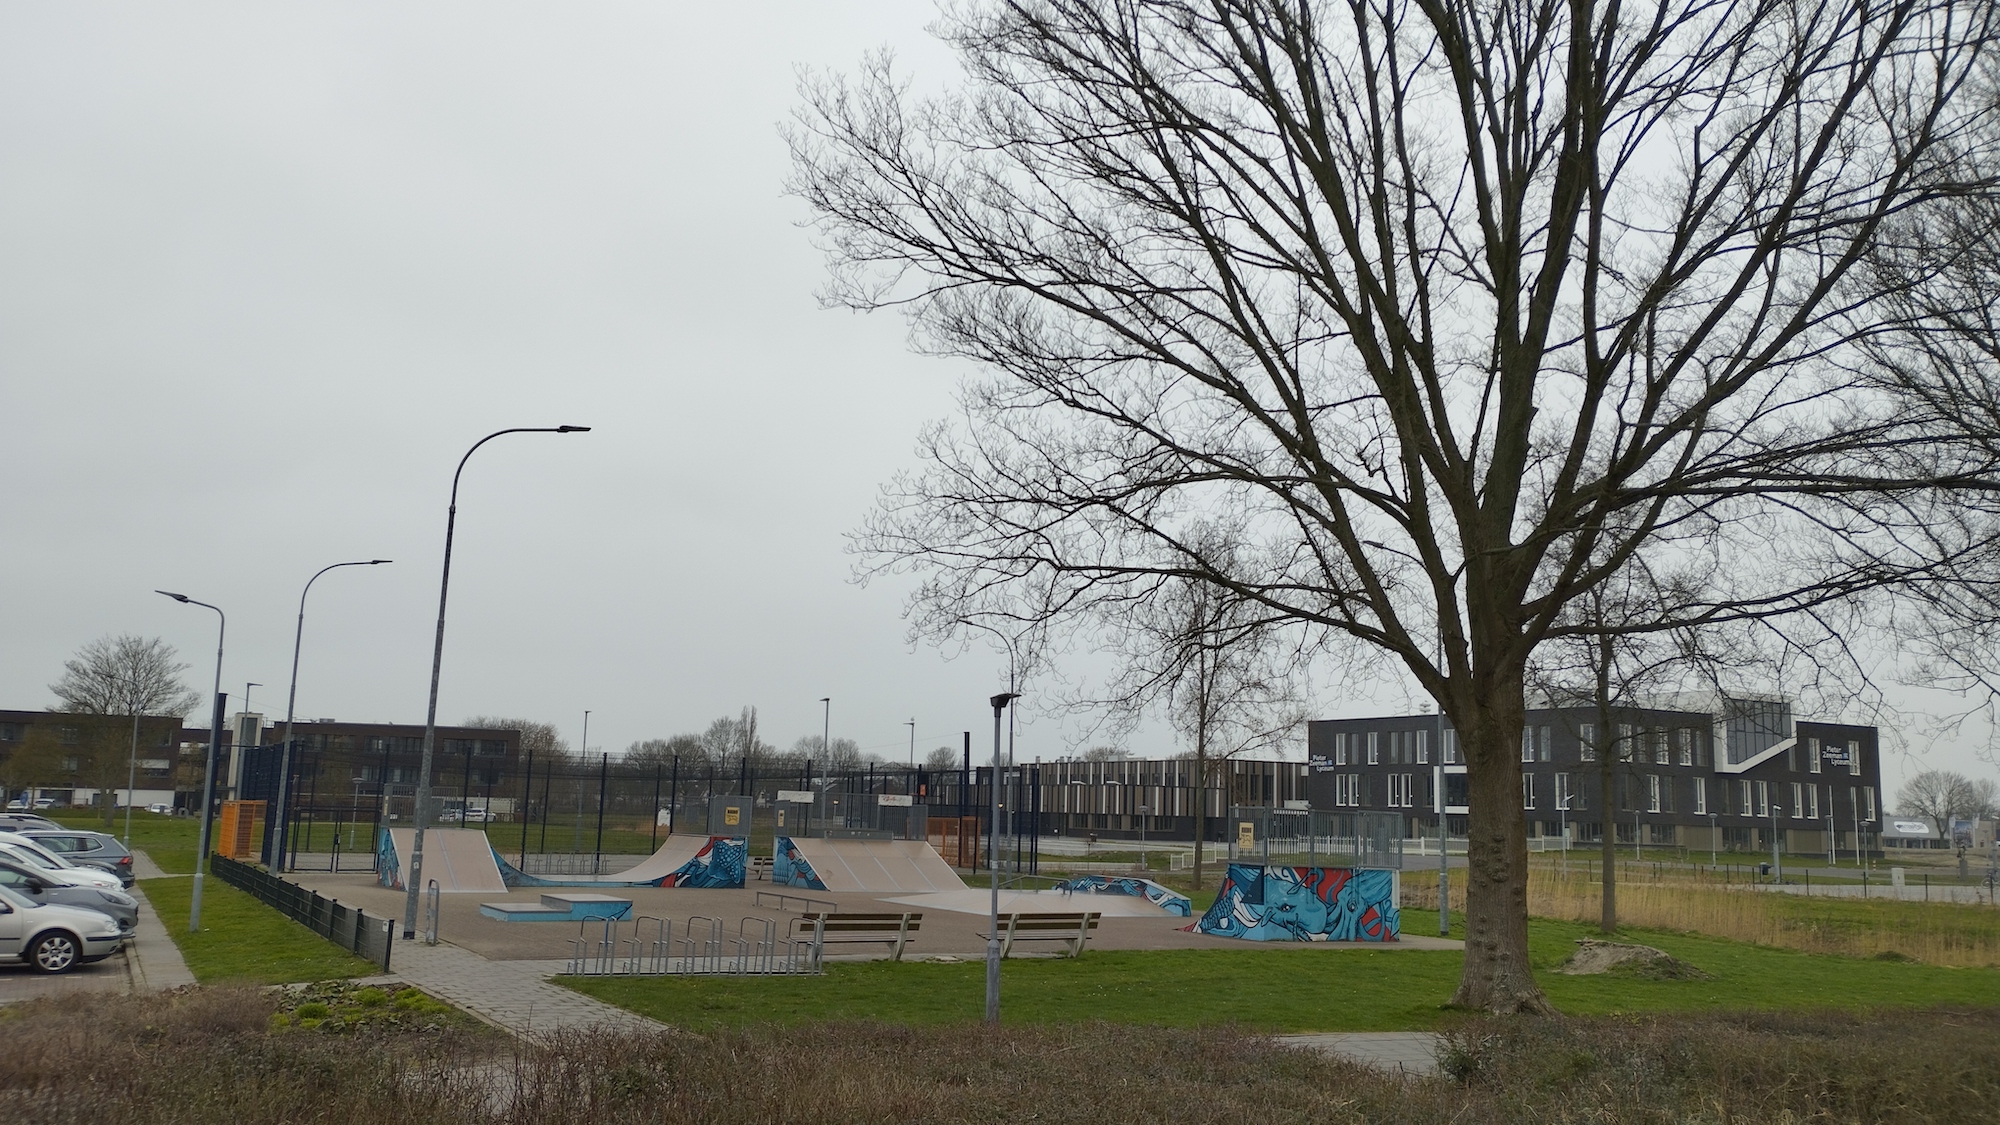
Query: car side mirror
<point>35,886</point>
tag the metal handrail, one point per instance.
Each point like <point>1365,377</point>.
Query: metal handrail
<point>809,903</point>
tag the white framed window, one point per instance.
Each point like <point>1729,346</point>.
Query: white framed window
<point>1659,740</point>
<point>1340,749</point>
<point>1563,794</point>
<point>1402,791</point>
<point>1652,792</point>
<point>1527,791</point>
<point>1701,796</point>
<point>1586,736</point>
<point>1812,801</point>
<point>1374,749</point>
<point>1798,801</point>
<point>1527,744</point>
<point>1423,748</point>
<point>1763,798</point>
<point>1868,802</point>
<point>1854,758</point>
<point>1621,750</point>
<point>1812,755</point>
<point>1684,747</point>
<point>1745,803</point>
<point>1450,746</point>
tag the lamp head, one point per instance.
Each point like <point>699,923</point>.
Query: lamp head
<point>1003,699</point>
<point>181,598</point>
<point>379,562</point>
<point>572,429</point>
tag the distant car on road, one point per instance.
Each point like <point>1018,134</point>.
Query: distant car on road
<point>55,887</point>
<point>159,808</point>
<point>87,849</point>
<point>54,939</point>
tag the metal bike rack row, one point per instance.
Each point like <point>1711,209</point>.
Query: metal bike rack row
<point>759,947</point>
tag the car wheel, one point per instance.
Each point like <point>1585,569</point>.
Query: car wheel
<point>55,952</point>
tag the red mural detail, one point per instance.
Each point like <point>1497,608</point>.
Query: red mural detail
<point>1324,882</point>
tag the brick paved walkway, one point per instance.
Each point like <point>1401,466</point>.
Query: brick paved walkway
<point>1413,1052</point>
<point>514,995</point>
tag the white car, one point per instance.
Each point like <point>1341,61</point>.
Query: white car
<point>23,850</point>
<point>54,939</point>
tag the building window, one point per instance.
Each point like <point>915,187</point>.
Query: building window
<point>1449,740</point>
<point>1652,792</point>
<point>1812,755</point>
<point>1402,793</point>
<point>1868,801</point>
<point>1812,801</point>
<point>1700,748</point>
<point>1586,736</point>
<point>1340,749</point>
<point>1563,794</point>
<point>1527,744</point>
<point>1798,802</point>
<point>1527,791</point>
<point>1684,747</point>
<point>1347,789</point>
<point>1659,739</point>
<point>1544,745</point>
<point>1374,750</point>
<point>1701,796</point>
<point>1423,748</point>
<point>1763,798</point>
<point>1621,749</point>
<point>1854,758</point>
<point>70,737</point>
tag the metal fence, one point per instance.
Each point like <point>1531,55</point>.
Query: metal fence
<point>345,926</point>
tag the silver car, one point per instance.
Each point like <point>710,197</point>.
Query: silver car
<point>53,887</point>
<point>22,850</point>
<point>54,939</point>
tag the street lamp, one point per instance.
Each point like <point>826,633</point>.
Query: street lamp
<point>1000,703</point>
<point>276,862</point>
<point>214,749</point>
<point>414,880</point>
<point>912,724</point>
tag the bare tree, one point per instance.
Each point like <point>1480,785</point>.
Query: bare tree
<point>944,759</point>
<point>1456,308</point>
<point>1939,796</point>
<point>125,675</point>
<point>1106,754</point>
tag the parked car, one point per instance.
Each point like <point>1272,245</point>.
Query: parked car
<point>23,850</point>
<point>159,808</point>
<point>55,887</point>
<point>51,938</point>
<point>25,822</point>
<point>90,849</point>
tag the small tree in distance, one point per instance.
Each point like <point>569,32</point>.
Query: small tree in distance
<point>125,675</point>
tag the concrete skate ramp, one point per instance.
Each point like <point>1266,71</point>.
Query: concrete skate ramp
<point>460,859</point>
<point>877,866</point>
<point>683,861</point>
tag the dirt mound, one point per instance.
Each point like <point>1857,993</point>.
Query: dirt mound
<point>1593,956</point>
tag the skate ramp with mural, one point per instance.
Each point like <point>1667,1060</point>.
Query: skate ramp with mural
<point>460,859</point>
<point>1304,904</point>
<point>1166,898</point>
<point>871,866</point>
<point>683,861</point>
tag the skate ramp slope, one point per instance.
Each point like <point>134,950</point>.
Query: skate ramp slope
<point>460,859</point>
<point>683,861</point>
<point>864,866</point>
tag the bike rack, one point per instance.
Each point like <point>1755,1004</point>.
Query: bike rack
<point>704,955</point>
<point>431,913</point>
<point>649,957</point>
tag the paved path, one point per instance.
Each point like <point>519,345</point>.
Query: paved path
<point>514,995</point>
<point>1413,1052</point>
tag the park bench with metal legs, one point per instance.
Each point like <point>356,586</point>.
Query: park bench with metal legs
<point>894,930</point>
<point>1073,930</point>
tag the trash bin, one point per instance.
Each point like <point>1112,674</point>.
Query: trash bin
<point>1763,869</point>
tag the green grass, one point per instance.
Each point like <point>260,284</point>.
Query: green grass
<point>241,939</point>
<point>1285,989</point>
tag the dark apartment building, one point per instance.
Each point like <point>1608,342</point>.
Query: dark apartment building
<point>69,758</point>
<point>361,766</point>
<point>1726,775</point>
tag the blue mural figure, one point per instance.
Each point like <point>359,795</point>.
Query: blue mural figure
<point>723,863</point>
<point>1304,904</point>
<point>388,869</point>
<point>1166,898</point>
<point>790,869</point>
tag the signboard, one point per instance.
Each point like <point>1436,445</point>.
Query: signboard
<point>1298,806</point>
<point>1834,754</point>
<point>796,796</point>
<point>732,816</point>
<point>1246,834</point>
<point>895,800</point>
<point>1911,827</point>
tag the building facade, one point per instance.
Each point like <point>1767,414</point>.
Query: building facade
<point>65,758</point>
<point>1731,777</point>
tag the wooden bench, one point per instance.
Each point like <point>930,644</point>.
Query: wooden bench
<point>896,930</point>
<point>760,867</point>
<point>1072,930</point>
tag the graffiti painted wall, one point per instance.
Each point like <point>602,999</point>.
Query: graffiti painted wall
<point>790,869</point>
<point>1304,904</point>
<point>1166,898</point>
<point>722,863</point>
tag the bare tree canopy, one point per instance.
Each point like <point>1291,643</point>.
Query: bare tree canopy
<point>1454,309</point>
<point>1942,796</point>
<point>942,760</point>
<point>538,738</point>
<point>125,675</point>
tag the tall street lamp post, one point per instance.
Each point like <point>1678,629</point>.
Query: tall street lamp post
<point>214,749</point>
<point>276,860</point>
<point>1000,703</point>
<point>414,880</point>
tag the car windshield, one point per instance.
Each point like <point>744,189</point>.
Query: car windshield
<point>17,900</point>
<point>43,856</point>
<point>32,857</point>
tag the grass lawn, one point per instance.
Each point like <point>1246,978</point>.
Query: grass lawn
<point>1285,990</point>
<point>241,939</point>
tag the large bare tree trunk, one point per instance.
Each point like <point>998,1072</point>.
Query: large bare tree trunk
<point>1497,976</point>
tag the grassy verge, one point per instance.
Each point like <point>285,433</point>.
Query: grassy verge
<point>1286,990</point>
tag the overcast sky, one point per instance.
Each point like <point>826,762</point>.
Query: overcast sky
<point>267,270</point>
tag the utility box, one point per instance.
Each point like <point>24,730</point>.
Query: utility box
<point>240,832</point>
<point>730,816</point>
